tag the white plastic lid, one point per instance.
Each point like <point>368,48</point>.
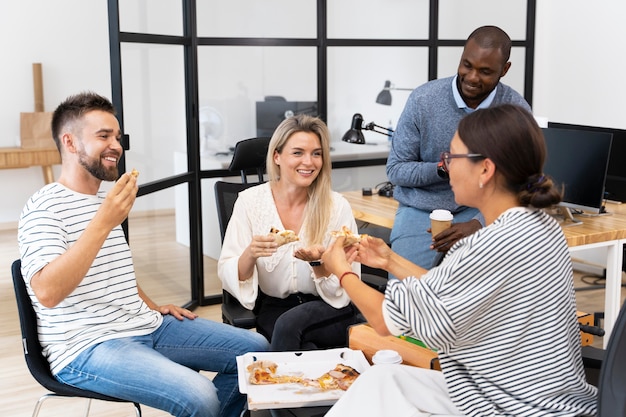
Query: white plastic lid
<point>441,215</point>
<point>386,357</point>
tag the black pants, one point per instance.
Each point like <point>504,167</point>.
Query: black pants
<point>303,322</point>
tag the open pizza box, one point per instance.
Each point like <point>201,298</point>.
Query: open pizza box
<point>309,364</point>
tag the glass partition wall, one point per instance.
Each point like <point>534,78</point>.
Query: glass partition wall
<point>191,78</point>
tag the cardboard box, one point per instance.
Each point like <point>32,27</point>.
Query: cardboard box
<point>310,364</point>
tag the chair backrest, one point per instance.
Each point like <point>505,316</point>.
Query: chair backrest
<point>250,154</point>
<point>36,362</point>
<point>612,383</point>
<point>226,194</point>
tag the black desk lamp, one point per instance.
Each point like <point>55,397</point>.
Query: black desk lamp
<point>384,97</point>
<point>355,134</point>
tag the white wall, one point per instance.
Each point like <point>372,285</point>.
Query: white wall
<point>579,62</point>
<point>579,51</point>
<point>70,38</point>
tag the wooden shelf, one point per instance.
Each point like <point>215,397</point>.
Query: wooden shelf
<point>11,158</point>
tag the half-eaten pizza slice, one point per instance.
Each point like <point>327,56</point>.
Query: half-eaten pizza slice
<point>283,237</point>
<point>351,238</point>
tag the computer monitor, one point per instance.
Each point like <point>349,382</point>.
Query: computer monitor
<point>578,161</point>
<point>271,112</point>
<point>615,187</point>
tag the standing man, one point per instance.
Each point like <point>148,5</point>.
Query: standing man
<point>424,131</point>
<point>98,329</point>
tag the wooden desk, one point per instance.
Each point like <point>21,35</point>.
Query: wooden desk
<point>23,158</point>
<point>373,209</point>
<point>364,338</point>
<point>607,232</point>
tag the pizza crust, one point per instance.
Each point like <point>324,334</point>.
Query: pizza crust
<point>283,237</point>
<point>263,372</point>
<point>351,238</point>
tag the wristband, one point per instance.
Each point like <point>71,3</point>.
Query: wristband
<point>344,275</point>
<point>316,263</point>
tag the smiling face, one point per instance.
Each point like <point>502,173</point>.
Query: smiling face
<point>479,72</point>
<point>97,142</point>
<point>464,174</point>
<point>300,159</point>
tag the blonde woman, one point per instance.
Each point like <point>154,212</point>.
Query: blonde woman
<point>301,305</point>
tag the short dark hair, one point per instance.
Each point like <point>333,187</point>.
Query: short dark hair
<point>74,108</point>
<point>494,38</point>
<point>510,137</point>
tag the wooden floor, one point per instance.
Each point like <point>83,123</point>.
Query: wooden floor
<point>162,270</point>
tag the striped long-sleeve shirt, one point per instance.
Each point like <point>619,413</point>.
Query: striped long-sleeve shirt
<point>501,311</point>
<point>106,304</point>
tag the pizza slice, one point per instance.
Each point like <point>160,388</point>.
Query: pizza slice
<point>263,372</point>
<point>341,377</point>
<point>351,238</point>
<point>284,237</point>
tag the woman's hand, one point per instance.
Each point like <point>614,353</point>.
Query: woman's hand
<point>336,259</point>
<point>312,253</point>
<point>373,252</point>
<point>262,246</point>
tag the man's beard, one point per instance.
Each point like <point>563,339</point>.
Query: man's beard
<point>96,168</point>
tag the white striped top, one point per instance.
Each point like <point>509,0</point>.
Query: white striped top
<point>106,305</point>
<point>501,311</point>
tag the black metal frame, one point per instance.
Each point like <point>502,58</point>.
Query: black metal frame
<point>191,42</point>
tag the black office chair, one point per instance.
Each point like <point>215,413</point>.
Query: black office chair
<point>612,383</point>
<point>249,155</point>
<point>374,277</point>
<point>232,311</point>
<point>37,364</point>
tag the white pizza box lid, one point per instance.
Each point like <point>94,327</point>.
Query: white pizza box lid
<point>310,364</point>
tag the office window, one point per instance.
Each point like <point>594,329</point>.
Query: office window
<point>157,251</point>
<point>154,107</point>
<point>257,19</point>
<point>457,19</point>
<point>359,73</point>
<point>376,19</point>
<point>253,64</point>
<point>146,16</point>
<point>232,79</point>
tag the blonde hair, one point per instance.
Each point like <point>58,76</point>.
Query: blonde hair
<point>319,204</point>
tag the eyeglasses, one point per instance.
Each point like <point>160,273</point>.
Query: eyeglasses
<point>443,166</point>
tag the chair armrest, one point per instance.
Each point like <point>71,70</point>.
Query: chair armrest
<point>235,314</point>
<point>587,320</point>
<point>363,337</point>
<point>375,281</point>
<point>238,316</point>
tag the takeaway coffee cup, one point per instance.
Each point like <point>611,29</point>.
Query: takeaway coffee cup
<point>440,220</point>
<point>386,357</point>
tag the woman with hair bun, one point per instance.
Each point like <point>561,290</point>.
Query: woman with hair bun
<point>499,309</point>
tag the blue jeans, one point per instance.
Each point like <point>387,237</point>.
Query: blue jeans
<point>410,239</point>
<point>160,370</point>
